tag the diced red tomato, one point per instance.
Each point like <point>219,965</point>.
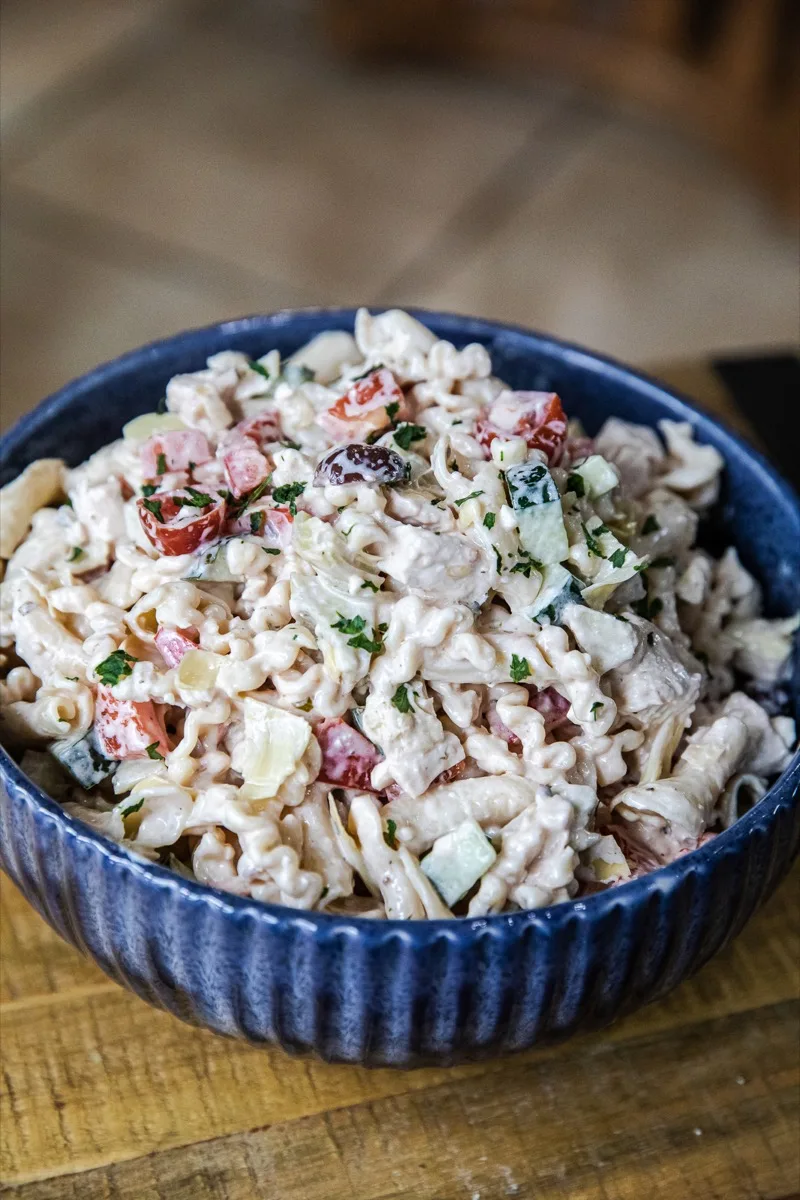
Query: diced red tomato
<point>536,416</point>
<point>174,643</point>
<point>362,410</point>
<point>180,529</point>
<point>173,451</point>
<point>551,704</point>
<point>265,427</point>
<point>245,466</point>
<point>347,756</point>
<point>126,728</point>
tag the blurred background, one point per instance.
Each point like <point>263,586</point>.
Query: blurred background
<point>618,172</point>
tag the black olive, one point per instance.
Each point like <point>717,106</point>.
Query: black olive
<point>361,463</point>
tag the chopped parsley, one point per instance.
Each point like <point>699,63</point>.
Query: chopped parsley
<point>306,706</point>
<point>152,752</point>
<point>195,499</point>
<point>389,835</point>
<point>392,410</point>
<point>498,559</point>
<point>77,553</point>
<point>362,642</point>
<point>576,484</point>
<point>290,444</point>
<point>270,550</point>
<point>287,494</point>
<point>349,625</point>
<point>401,701</point>
<point>404,435</point>
<point>618,557</point>
<point>115,667</point>
<point>598,704</point>
<point>651,525</point>
<point>154,507</point>
<point>257,521</point>
<point>522,568</point>
<point>259,370</point>
<point>520,668</point>
<point>133,808</point>
<point>369,584</point>
<point>148,489</point>
<point>324,892</point>
<point>161,464</point>
<point>489,520</point>
<point>464,499</point>
<point>592,543</point>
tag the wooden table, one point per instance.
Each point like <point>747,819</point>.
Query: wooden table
<point>694,1098</point>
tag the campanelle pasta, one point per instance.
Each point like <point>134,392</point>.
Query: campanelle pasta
<point>368,631</point>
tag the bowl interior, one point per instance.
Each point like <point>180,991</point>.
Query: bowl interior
<point>757,512</point>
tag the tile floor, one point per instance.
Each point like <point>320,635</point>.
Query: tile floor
<point>169,162</point>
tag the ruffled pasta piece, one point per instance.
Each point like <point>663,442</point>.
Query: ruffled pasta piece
<point>40,484</point>
<point>383,863</point>
<point>415,746</point>
<point>492,802</point>
<point>321,852</point>
<point>669,816</point>
<point>535,862</point>
<point>692,470</point>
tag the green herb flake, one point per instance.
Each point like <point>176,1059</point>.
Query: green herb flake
<point>257,521</point>
<point>369,584</point>
<point>464,499</point>
<point>324,892</point>
<point>618,557</point>
<point>161,464</point>
<point>270,550</point>
<point>148,489</point>
<point>522,568</point>
<point>154,507</point>
<point>362,642</point>
<point>133,808</point>
<point>77,553</point>
<point>498,559</point>
<point>576,484</point>
<point>195,499</point>
<point>349,625</point>
<point>651,525</point>
<point>115,667</point>
<point>392,410</point>
<point>287,494</point>
<point>404,435</point>
<point>595,709</point>
<point>152,752</point>
<point>259,370</point>
<point>520,668</point>
<point>306,706</point>
<point>401,701</point>
<point>489,520</point>
<point>592,545</point>
<point>389,835</point>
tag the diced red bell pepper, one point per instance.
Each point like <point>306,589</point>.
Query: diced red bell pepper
<point>363,409</point>
<point>175,528</point>
<point>176,450</point>
<point>125,728</point>
<point>347,756</point>
<point>174,643</point>
<point>538,417</point>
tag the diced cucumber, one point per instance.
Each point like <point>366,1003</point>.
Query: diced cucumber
<point>559,589</point>
<point>596,476</point>
<point>211,565</point>
<point>84,759</point>
<point>615,563</point>
<point>457,860</point>
<point>537,506</point>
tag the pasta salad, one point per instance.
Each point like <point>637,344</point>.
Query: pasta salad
<point>367,631</point>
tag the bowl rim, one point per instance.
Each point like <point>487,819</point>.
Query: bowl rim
<point>783,793</point>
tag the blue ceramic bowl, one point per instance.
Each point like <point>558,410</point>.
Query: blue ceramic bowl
<point>418,992</point>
